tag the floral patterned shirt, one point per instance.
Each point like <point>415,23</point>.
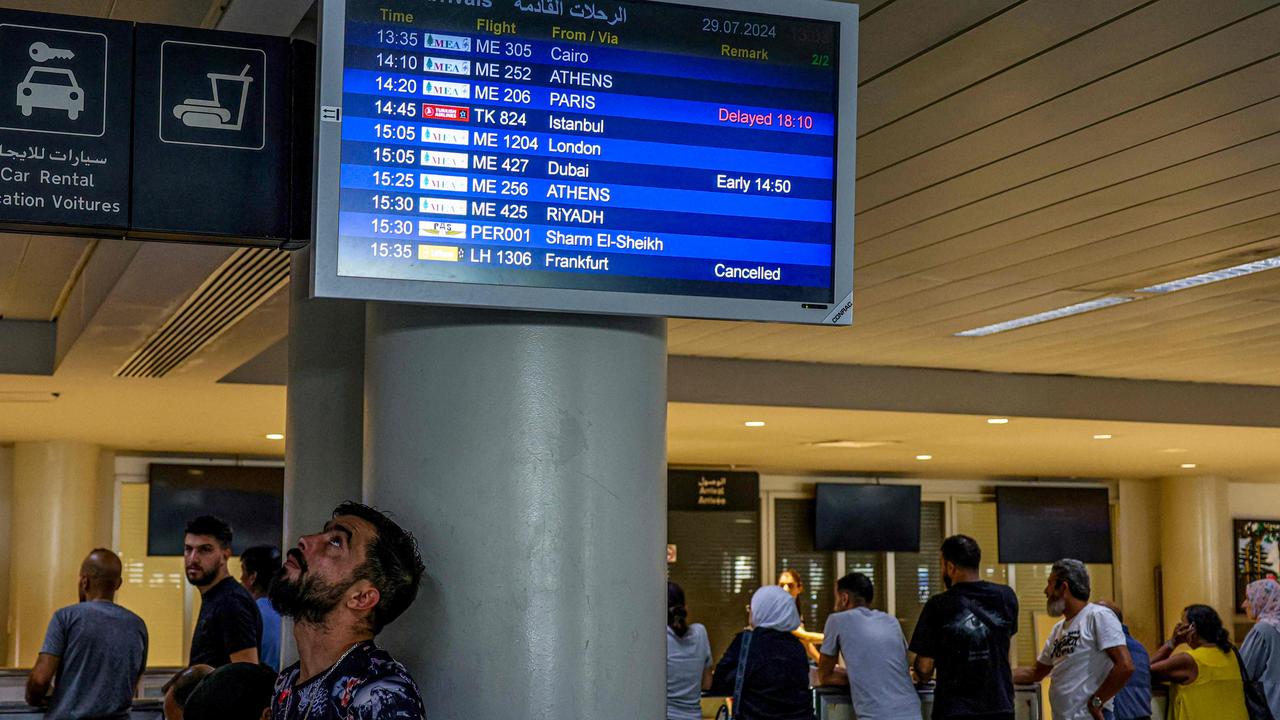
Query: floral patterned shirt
<point>365,685</point>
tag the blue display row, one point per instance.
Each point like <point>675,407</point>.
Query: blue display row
<point>357,257</point>
<point>371,225</point>
<point>578,124</point>
<point>690,220</point>
<point>382,60</point>
<point>408,157</point>
<point>743,72</point>
<point>575,193</point>
<point>509,96</point>
<point>671,155</point>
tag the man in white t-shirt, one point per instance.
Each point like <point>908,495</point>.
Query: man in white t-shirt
<point>1085,657</point>
<point>875,654</point>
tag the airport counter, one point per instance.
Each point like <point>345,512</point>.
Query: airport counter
<point>148,706</point>
<point>832,703</point>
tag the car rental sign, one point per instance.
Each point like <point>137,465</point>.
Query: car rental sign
<point>65,97</point>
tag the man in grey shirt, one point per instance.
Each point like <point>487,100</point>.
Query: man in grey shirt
<point>875,655</point>
<point>94,652</point>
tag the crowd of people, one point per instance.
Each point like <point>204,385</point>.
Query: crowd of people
<point>961,647</point>
<point>341,587</point>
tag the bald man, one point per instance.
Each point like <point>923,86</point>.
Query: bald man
<point>94,652</point>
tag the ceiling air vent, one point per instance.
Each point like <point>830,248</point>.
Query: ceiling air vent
<point>247,279</point>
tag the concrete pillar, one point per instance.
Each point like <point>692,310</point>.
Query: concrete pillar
<point>527,453</point>
<point>1195,546</point>
<point>1138,554</point>
<point>324,423</point>
<point>55,505</point>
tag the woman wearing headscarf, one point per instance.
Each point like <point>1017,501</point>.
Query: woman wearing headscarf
<point>688,659</point>
<point>1261,648</point>
<point>775,672</point>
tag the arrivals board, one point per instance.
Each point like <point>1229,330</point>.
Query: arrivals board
<point>628,157</point>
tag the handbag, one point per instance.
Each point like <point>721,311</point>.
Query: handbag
<point>724,713</point>
<point>1255,700</point>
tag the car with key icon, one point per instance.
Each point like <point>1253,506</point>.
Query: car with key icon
<point>51,88</point>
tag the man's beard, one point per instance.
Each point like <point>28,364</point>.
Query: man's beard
<point>1056,607</point>
<point>307,599</point>
<point>203,578</point>
<point>946,581</point>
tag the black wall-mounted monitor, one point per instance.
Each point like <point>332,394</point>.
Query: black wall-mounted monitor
<point>249,499</point>
<point>867,518</point>
<point>1043,525</point>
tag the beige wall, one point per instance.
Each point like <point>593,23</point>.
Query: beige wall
<point>1137,555</point>
<point>1195,545</point>
<point>54,516</point>
<point>6,524</point>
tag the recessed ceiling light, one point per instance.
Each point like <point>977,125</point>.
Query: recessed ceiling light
<point>1188,466</point>
<point>1104,436</point>
<point>1214,276</point>
<point>275,436</point>
<point>997,421</point>
<point>924,457</point>
<point>1046,316</point>
<point>754,423</point>
<point>852,444</point>
<point>1172,451</point>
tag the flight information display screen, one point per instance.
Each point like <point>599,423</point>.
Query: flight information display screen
<point>647,148</point>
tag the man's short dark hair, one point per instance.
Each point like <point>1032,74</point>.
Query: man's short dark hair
<point>262,561</point>
<point>211,526</point>
<point>858,585</point>
<point>962,551</point>
<point>184,682</point>
<point>392,564</point>
<point>239,691</point>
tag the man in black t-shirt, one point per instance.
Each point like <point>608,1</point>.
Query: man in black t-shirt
<point>963,634</point>
<point>229,628</point>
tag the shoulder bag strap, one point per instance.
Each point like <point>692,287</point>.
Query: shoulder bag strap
<point>743,654</point>
<point>1255,700</point>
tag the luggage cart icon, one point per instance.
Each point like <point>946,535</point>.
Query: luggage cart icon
<point>212,113</point>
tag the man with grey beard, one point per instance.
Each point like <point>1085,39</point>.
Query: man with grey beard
<point>1086,655</point>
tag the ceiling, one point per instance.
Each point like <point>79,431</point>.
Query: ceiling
<point>962,445</point>
<point>1014,156</point>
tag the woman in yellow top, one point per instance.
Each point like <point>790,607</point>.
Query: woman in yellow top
<point>1203,668</point>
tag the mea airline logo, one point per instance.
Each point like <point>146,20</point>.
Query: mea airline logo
<point>447,89</point>
<point>445,136</point>
<point>433,158</point>
<point>442,206</point>
<point>448,66</point>
<point>441,229</point>
<point>455,113</point>
<point>454,43</point>
<point>445,183</point>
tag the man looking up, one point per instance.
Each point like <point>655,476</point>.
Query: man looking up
<point>96,649</point>
<point>342,586</point>
<point>257,566</point>
<point>229,628</point>
<point>963,635</point>
<point>874,652</point>
<point>1085,656</point>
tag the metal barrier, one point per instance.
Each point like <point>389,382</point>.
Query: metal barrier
<point>833,703</point>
